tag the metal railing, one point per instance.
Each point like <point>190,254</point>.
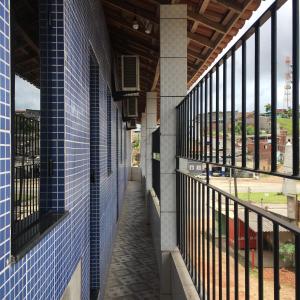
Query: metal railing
<point>211,130</point>
<point>26,174</point>
<point>156,161</point>
<point>217,233</point>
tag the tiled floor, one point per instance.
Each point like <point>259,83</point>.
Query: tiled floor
<point>133,273</point>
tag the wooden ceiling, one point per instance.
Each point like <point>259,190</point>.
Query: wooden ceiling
<point>211,26</point>
<point>25,40</point>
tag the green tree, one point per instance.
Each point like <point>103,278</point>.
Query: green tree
<point>287,253</point>
<point>268,107</point>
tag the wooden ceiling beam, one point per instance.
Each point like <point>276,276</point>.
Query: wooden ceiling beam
<point>133,40</point>
<point>196,55</point>
<point>200,40</point>
<point>201,19</point>
<point>156,77</point>
<point>26,37</point>
<point>133,11</point>
<point>233,5</point>
<point>204,6</point>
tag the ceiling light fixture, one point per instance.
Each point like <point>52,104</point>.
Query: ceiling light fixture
<point>135,24</point>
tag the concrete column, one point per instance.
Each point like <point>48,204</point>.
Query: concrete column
<point>151,115</point>
<point>143,145</point>
<point>173,88</point>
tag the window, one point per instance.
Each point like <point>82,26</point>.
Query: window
<point>32,208</point>
<point>109,98</point>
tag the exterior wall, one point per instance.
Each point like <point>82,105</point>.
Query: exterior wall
<point>44,272</point>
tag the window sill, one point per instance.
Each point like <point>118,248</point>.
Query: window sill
<point>22,244</point>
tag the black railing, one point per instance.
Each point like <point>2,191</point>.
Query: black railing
<point>156,161</point>
<point>213,119</point>
<point>223,240</point>
<point>26,174</point>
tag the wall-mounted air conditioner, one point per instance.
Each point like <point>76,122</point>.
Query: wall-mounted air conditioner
<point>130,108</point>
<point>130,72</point>
<point>131,124</point>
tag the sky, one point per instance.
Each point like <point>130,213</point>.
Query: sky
<point>28,96</point>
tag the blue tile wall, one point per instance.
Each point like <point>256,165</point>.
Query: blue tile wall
<point>74,29</point>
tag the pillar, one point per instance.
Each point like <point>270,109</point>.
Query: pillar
<point>173,88</point>
<point>143,146</point>
<point>151,116</point>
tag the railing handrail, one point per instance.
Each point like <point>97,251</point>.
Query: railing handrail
<point>259,211</point>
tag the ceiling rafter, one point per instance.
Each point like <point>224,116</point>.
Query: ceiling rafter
<point>196,55</point>
<point>201,19</point>
<point>233,5</point>
<point>201,40</point>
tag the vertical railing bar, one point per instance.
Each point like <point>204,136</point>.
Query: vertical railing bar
<point>208,240</point>
<point>217,112</point>
<point>185,130</point>
<point>195,232</point>
<point>295,90</point>
<point>195,123</point>
<point>247,237</point>
<point>199,238</point>
<point>244,97</point>
<point>224,110</point>
<point>274,90</point>
<point>233,107</point>
<point>260,258</point>
<point>184,217</point>
<point>236,251</point>
<point>197,112</point>
<point>227,250</point>
<point>257,97</point>
<point>205,119</point>
<point>276,260</point>
<point>190,124</point>
<point>192,227</point>
<point>201,121</point>
<point>203,242</point>
<point>210,117</point>
<point>220,244</point>
<point>213,246</point>
<point>189,223</point>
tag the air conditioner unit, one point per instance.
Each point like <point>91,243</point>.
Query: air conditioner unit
<point>131,124</point>
<point>130,72</point>
<point>130,108</point>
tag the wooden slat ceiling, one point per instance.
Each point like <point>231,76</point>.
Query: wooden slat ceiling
<point>25,41</point>
<point>211,26</point>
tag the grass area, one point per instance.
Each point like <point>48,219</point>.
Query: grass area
<point>287,124</point>
<point>265,198</point>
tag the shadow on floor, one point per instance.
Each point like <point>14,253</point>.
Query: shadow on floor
<point>133,272</point>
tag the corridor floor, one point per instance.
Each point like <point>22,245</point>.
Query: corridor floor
<point>133,272</point>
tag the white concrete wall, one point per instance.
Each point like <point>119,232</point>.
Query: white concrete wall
<point>151,116</point>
